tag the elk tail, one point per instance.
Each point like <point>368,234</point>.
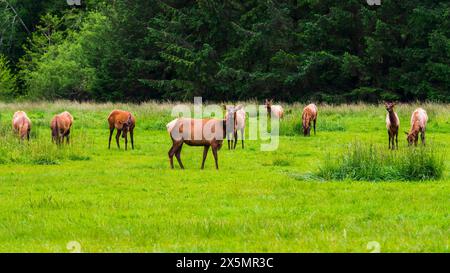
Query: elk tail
<point>20,129</point>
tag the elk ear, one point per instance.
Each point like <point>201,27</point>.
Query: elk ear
<point>239,107</point>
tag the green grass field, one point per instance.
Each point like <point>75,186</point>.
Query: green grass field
<point>131,201</point>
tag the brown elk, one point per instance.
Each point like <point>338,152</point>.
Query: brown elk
<point>235,118</point>
<point>124,122</point>
<point>275,110</point>
<point>21,125</point>
<point>60,126</point>
<point>392,124</point>
<point>196,132</point>
<point>419,119</point>
<point>309,114</point>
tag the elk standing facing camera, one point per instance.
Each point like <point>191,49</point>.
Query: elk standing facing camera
<point>275,110</point>
<point>124,122</point>
<point>392,124</point>
<point>235,118</point>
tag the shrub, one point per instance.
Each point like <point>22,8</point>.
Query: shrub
<point>362,161</point>
<point>8,88</point>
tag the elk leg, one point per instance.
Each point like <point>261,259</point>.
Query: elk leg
<point>389,136</point>
<point>214,150</point>
<point>205,153</point>
<point>314,122</point>
<point>396,139</point>
<point>132,139</point>
<point>67,136</point>
<point>58,139</point>
<point>177,154</point>
<point>118,137</point>
<point>391,141</point>
<point>126,141</point>
<point>235,139</point>
<point>171,156</point>
<point>228,144</point>
<point>172,152</point>
<point>111,131</point>
<point>422,137</point>
<point>242,138</point>
<point>232,140</point>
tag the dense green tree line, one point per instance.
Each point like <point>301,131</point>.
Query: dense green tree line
<point>320,50</point>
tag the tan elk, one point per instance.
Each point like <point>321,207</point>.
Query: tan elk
<point>235,118</point>
<point>123,122</point>
<point>392,124</point>
<point>275,110</point>
<point>21,125</point>
<point>309,114</point>
<point>419,119</point>
<point>60,126</point>
<point>196,132</point>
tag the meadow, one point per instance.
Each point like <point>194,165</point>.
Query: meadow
<point>131,201</point>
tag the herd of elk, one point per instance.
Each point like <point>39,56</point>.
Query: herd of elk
<point>211,132</point>
<point>60,126</point>
<point>123,122</point>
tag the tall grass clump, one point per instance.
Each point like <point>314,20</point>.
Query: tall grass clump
<point>11,152</point>
<point>368,162</point>
<point>38,151</point>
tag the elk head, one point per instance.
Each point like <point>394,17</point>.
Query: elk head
<point>306,127</point>
<point>389,106</point>
<point>268,104</point>
<point>127,125</point>
<point>412,138</point>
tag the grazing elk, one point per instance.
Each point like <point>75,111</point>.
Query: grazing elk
<point>275,110</point>
<point>124,122</point>
<point>419,120</point>
<point>60,126</point>
<point>392,124</point>
<point>21,125</point>
<point>309,114</point>
<point>235,118</point>
<point>196,132</point>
